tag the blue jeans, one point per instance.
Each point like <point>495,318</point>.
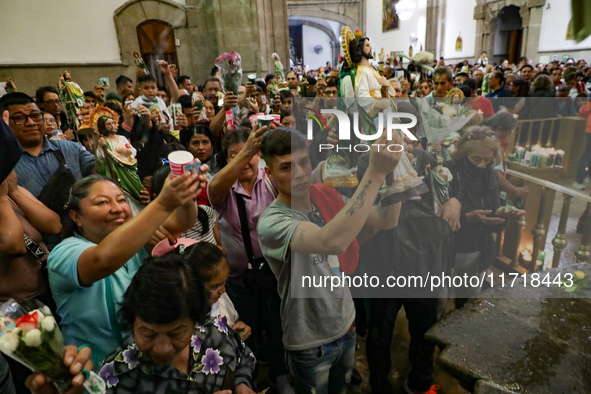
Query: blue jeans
<point>324,369</point>
<point>585,160</point>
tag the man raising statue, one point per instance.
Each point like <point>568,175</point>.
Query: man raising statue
<point>365,91</point>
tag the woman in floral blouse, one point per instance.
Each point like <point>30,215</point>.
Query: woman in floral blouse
<point>175,346</point>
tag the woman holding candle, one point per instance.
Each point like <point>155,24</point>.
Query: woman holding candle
<point>504,124</point>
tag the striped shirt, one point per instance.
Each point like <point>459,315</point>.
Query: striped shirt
<point>196,231</point>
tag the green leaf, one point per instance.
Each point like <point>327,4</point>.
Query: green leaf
<point>120,358</point>
<point>198,367</point>
<point>571,289</point>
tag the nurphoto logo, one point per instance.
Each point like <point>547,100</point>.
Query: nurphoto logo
<point>388,119</point>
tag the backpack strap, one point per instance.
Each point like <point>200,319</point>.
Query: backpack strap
<point>35,250</point>
<point>58,154</point>
<point>244,227</point>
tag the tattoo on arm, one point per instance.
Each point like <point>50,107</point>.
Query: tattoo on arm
<point>301,236</point>
<point>382,211</point>
<point>359,200</point>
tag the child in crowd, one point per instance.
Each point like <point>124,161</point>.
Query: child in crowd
<point>149,96</point>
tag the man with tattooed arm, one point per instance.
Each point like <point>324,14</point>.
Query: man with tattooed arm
<point>311,231</point>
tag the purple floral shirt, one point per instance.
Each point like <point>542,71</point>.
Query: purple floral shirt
<point>219,360</point>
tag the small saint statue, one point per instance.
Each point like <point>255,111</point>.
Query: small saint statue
<point>440,179</point>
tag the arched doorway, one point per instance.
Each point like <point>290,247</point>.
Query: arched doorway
<point>507,40</point>
<point>313,41</point>
<point>156,39</point>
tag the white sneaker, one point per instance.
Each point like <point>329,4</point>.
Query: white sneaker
<point>281,385</point>
<point>578,186</point>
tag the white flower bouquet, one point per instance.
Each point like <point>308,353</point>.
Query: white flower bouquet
<point>32,337</point>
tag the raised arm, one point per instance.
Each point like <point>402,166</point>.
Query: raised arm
<point>12,239</point>
<point>220,185</point>
<point>217,123</point>
<point>123,243</point>
<point>164,68</point>
<point>336,236</point>
<point>42,218</point>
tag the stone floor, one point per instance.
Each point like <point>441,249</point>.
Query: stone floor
<point>448,384</point>
<point>401,364</point>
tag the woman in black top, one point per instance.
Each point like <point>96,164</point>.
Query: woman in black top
<point>475,184</point>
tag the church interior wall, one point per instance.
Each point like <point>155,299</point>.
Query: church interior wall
<point>78,36</point>
<point>395,40</point>
<point>59,32</point>
<point>552,40</point>
<point>459,18</point>
<point>311,38</point>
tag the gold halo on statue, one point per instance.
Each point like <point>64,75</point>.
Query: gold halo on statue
<point>85,129</point>
<point>100,111</point>
<point>346,37</point>
<point>454,92</point>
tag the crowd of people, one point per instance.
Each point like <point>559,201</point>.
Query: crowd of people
<point>95,193</point>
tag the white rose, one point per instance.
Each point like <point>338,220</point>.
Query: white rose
<point>9,343</point>
<point>33,338</point>
<point>48,324</point>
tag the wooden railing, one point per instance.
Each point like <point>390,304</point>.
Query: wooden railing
<point>566,133</point>
<point>539,232</point>
<point>542,132</point>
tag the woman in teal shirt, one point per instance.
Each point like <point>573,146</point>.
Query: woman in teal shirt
<point>90,270</point>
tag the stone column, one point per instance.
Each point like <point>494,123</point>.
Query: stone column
<point>254,29</point>
<point>441,28</point>
<point>432,23</point>
<point>532,22</point>
<point>273,34</point>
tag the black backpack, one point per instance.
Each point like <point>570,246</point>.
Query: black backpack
<point>56,192</point>
<point>423,239</point>
<point>421,245</point>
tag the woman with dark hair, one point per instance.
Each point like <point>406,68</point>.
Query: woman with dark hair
<point>103,250</point>
<point>175,346</point>
<point>199,141</point>
<point>475,184</point>
<point>425,87</point>
<point>208,110</point>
